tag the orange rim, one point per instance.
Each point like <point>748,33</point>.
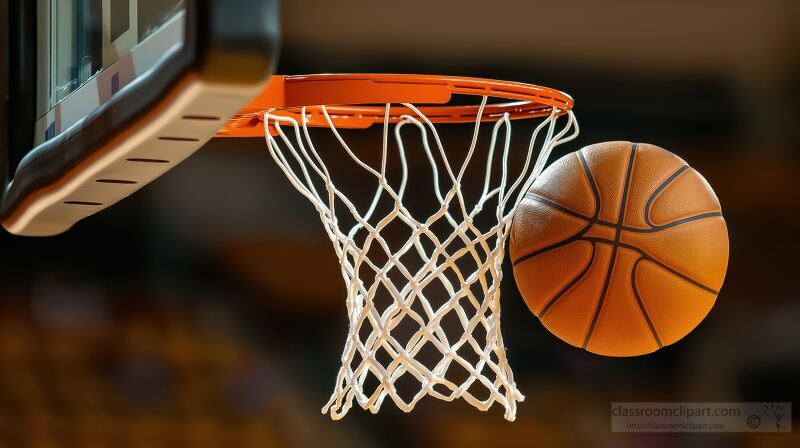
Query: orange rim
<point>357,101</point>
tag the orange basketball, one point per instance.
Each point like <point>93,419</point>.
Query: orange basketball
<point>620,248</point>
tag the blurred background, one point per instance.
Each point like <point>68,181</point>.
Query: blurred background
<point>208,308</point>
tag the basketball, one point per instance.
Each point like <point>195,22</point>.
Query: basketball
<point>619,248</point>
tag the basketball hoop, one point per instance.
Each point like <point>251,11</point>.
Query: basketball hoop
<point>283,114</point>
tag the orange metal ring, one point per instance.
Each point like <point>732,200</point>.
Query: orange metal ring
<point>357,101</point>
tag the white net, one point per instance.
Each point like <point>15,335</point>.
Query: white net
<point>398,308</point>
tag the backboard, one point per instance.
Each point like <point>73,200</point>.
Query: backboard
<point>100,97</point>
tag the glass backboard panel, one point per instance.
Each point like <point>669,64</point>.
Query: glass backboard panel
<point>78,39</point>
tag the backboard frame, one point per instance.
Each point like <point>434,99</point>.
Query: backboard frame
<point>145,129</point>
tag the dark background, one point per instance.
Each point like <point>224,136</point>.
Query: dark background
<point>208,308</point>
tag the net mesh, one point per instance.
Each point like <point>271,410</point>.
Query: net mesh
<point>398,344</point>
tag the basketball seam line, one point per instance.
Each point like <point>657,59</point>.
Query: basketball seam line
<point>580,237</point>
<point>562,243</point>
<point>607,282</point>
<point>589,224</point>
<point>647,257</point>
<point>592,220</point>
<point>658,190</point>
<point>643,257</point>
<point>569,285</point>
<point>641,304</point>
<point>592,183</point>
<point>656,229</point>
<point>559,207</point>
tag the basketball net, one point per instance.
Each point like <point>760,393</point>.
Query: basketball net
<point>372,350</point>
